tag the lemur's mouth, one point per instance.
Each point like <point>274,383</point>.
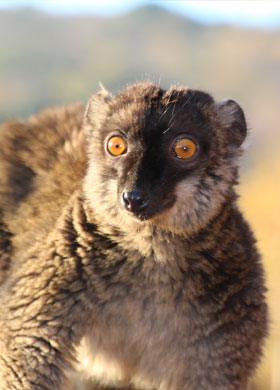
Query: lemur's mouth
<point>142,217</point>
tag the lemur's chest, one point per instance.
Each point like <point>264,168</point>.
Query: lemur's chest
<point>137,326</point>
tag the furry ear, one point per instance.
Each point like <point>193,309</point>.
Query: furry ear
<point>233,119</point>
<point>97,105</point>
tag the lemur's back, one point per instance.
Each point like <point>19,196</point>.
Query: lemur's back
<point>42,161</point>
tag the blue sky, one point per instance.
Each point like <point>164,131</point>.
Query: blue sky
<point>259,13</point>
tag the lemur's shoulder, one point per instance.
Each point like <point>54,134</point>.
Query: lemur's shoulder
<point>42,162</point>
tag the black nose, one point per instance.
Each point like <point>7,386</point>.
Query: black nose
<point>135,201</point>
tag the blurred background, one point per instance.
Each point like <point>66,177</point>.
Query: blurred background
<point>55,52</point>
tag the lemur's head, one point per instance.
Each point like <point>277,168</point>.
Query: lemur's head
<point>160,157</point>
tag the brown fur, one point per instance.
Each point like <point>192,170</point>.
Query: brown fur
<point>169,299</point>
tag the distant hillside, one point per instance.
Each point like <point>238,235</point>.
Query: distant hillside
<point>46,59</point>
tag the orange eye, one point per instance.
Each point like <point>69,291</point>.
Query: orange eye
<point>184,148</point>
<point>116,146</point>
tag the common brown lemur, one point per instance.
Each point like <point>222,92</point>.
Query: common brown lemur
<point>123,254</point>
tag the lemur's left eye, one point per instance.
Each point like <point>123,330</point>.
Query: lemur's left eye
<point>116,146</point>
<point>184,148</point>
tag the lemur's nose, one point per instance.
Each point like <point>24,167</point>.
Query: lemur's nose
<point>135,201</point>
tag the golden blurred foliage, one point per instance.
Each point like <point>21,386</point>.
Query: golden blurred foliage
<point>260,202</point>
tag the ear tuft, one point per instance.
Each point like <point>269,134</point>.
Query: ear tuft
<point>107,96</point>
<point>233,119</point>
<point>98,103</point>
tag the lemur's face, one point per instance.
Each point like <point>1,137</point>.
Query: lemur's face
<point>164,157</point>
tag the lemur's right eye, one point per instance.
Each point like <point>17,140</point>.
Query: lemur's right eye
<point>116,146</point>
